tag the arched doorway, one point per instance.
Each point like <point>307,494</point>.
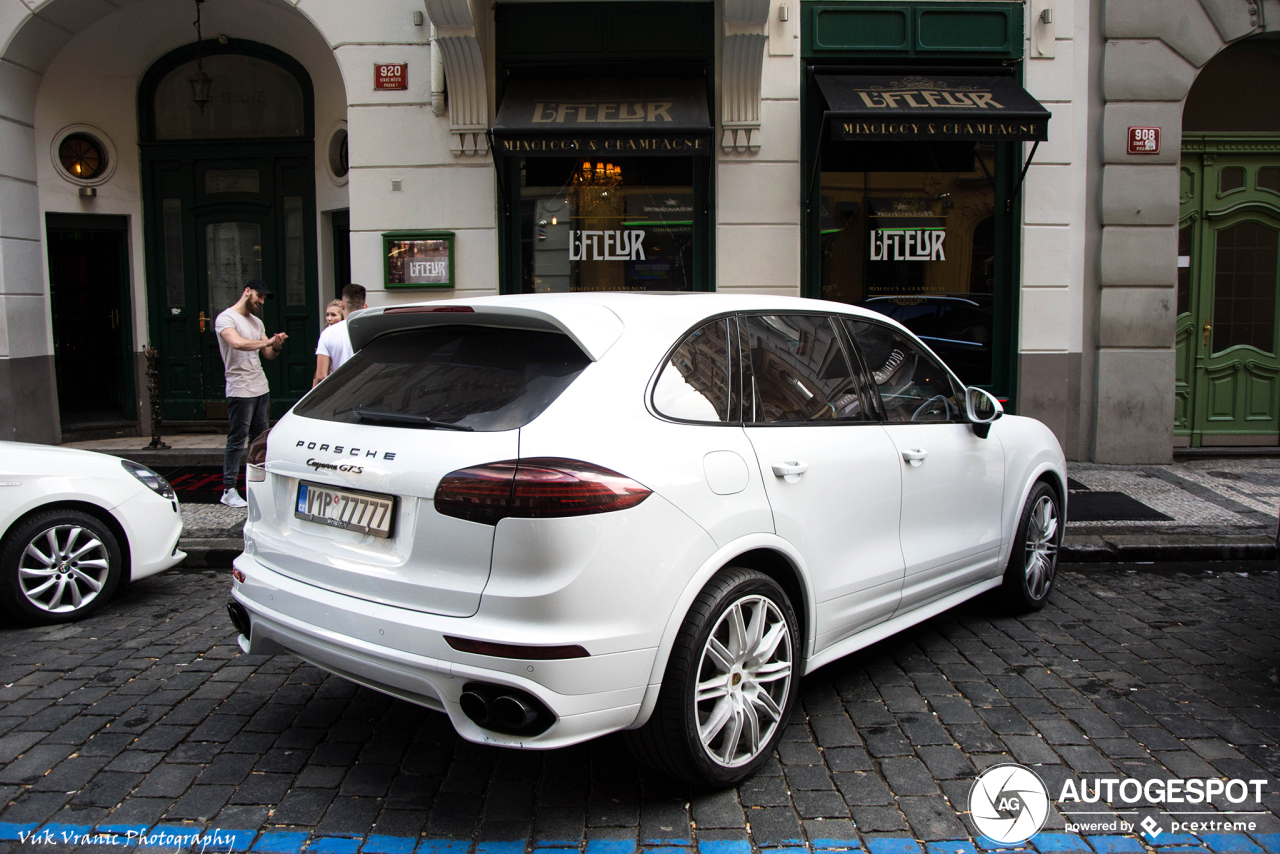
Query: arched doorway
<point>229,196</point>
<point>1228,323</point>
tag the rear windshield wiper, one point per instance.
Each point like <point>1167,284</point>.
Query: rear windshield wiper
<point>380,417</point>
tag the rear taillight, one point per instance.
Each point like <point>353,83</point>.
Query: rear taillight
<point>538,488</point>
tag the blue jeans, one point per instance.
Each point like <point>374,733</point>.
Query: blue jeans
<point>248,417</point>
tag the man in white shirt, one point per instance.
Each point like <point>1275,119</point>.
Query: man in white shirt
<point>242,339</point>
<point>334,346</point>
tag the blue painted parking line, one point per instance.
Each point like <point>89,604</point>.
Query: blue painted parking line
<point>379,844</point>
<point>334,845</point>
<point>724,846</point>
<point>1231,843</point>
<point>1116,845</point>
<point>445,846</point>
<point>1170,840</point>
<point>893,845</point>
<point>1064,842</point>
<point>834,844</point>
<point>281,842</point>
<point>667,849</point>
<point>10,831</point>
<point>953,846</point>
<point>1270,842</point>
<point>611,846</point>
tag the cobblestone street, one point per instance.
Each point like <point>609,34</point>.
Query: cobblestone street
<point>148,717</point>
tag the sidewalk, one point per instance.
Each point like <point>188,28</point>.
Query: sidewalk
<point>1202,509</point>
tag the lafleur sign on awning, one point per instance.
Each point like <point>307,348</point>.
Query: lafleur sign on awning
<point>556,117</point>
<point>931,107</point>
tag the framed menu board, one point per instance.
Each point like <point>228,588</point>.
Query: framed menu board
<point>418,259</point>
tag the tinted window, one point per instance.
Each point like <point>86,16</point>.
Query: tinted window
<point>798,370</point>
<point>484,379</point>
<point>694,385</point>
<point>912,384</point>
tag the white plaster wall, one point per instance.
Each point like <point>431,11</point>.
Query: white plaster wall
<point>1053,197</point>
<point>93,80</point>
<point>757,209</point>
<point>394,136</point>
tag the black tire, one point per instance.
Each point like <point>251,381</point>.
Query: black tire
<point>1033,563</point>
<point>670,742</point>
<point>77,553</point>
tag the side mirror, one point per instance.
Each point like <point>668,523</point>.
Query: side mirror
<point>982,408</point>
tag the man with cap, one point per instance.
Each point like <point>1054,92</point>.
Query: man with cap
<point>241,338</point>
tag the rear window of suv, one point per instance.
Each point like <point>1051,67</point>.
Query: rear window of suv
<point>466,377</point>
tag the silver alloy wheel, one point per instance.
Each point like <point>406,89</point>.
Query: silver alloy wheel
<point>1042,547</point>
<point>63,568</point>
<point>744,677</point>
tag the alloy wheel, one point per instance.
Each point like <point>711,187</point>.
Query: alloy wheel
<point>1041,551</point>
<point>63,568</point>
<point>744,676</point>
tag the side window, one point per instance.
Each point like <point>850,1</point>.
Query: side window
<point>694,384</point>
<point>798,370</point>
<point>912,384</point>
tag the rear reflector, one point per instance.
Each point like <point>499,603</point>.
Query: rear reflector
<point>426,309</point>
<point>510,650</point>
<point>538,488</point>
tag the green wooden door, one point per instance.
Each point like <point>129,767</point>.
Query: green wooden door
<point>214,223</point>
<point>1228,325</point>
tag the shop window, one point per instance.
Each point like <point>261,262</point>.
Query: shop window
<point>607,224</point>
<point>1231,178</point>
<point>917,246</point>
<point>248,98</point>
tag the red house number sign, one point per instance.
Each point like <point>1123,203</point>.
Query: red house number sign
<point>1144,140</point>
<point>391,76</point>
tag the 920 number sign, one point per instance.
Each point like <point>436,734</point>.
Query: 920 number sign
<point>391,75</point>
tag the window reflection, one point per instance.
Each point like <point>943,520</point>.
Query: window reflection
<point>607,224</point>
<point>917,246</point>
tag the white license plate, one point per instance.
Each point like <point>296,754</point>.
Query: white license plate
<point>366,512</point>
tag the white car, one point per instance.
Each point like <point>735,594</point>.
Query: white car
<point>74,526</point>
<point>558,516</point>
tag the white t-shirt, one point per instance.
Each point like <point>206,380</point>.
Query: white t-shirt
<point>243,368</point>
<point>335,342</point>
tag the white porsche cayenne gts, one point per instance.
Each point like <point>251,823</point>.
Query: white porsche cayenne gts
<point>558,516</point>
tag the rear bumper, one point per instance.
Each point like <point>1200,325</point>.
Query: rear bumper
<point>403,653</point>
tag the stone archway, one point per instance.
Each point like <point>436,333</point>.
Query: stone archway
<point>31,47</point>
<point>1151,56</point>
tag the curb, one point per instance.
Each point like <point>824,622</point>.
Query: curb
<point>218,552</point>
<point>209,552</point>
<point>1143,548</point>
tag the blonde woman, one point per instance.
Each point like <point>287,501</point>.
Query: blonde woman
<point>334,312</point>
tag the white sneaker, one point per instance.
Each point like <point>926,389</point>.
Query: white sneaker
<point>231,498</point>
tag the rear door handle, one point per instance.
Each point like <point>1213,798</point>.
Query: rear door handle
<point>914,456</point>
<point>790,471</point>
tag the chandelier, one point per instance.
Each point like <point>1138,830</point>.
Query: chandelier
<point>598,176</point>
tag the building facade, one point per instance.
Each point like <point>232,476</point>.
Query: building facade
<point>1076,202</point>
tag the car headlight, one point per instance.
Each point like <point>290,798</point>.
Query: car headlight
<point>153,481</point>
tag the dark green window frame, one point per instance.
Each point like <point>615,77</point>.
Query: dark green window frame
<point>982,34</point>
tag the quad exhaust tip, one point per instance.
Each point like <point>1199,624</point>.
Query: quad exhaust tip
<point>505,710</point>
<point>239,617</point>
